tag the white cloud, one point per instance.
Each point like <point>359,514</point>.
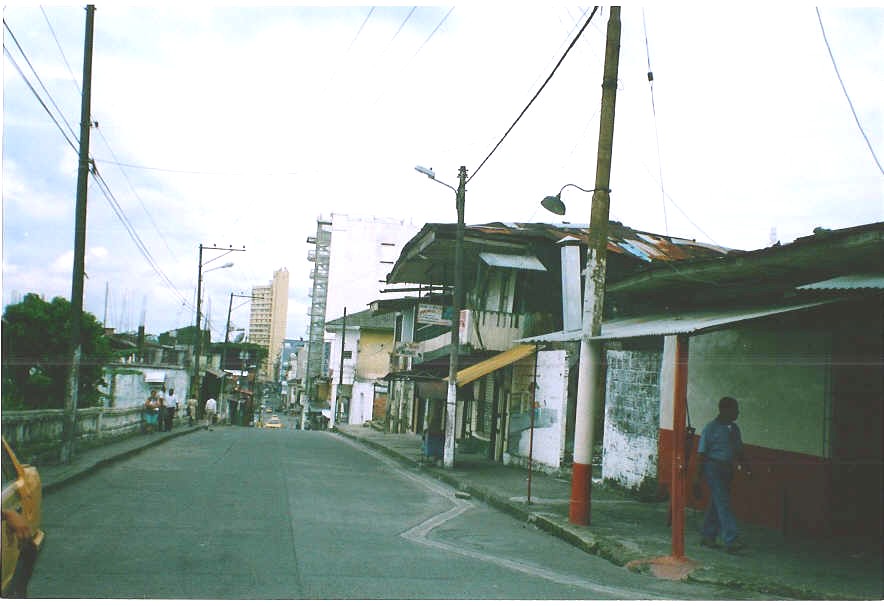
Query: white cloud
<point>754,132</point>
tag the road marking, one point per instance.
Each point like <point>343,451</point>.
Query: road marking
<point>420,534</point>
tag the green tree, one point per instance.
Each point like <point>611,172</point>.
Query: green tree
<point>36,355</point>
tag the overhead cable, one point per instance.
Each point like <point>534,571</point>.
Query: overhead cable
<point>844,88</point>
<point>37,76</point>
<point>37,95</point>
<point>133,233</point>
<point>60,50</point>
<point>656,129</point>
<point>537,94</point>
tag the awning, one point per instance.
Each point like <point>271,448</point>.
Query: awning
<point>476,371</point>
<point>513,261</point>
<point>848,282</point>
<point>154,376</point>
<point>675,324</point>
<point>214,372</point>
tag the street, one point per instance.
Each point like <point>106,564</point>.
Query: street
<point>245,513</point>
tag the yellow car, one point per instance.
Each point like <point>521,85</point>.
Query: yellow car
<point>23,495</point>
<point>273,423</point>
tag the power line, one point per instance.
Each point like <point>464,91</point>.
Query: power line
<point>137,197</point>
<point>198,172</point>
<point>361,27</point>
<point>844,88</point>
<point>60,50</point>
<point>656,129</point>
<point>433,33</point>
<point>37,95</point>
<point>537,94</point>
<point>133,233</point>
<point>402,25</point>
<point>36,75</point>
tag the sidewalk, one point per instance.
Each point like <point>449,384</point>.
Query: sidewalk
<point>85,462</point>
<point>626,531</point>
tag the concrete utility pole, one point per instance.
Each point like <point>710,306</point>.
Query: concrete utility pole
<point>590,376</point>
<point>338,399</point>
<point>195,381</point>
<point>79,271</point>
<point>451,399</point>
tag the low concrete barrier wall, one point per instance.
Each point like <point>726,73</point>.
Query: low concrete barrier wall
<point>35,435</point>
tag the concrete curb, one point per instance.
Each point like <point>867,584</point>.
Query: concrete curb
<point>74,475</point>
<point>604,547</point>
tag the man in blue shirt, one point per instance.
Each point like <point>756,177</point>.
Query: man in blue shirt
<point>721,445</point>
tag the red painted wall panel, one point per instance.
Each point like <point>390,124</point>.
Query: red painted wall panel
<point>787,491</point>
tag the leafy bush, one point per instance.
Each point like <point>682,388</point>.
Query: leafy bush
<point>37,355</point>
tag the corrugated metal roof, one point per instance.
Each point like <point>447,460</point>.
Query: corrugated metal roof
<point>426,258</point>
<point>366,319</point>
<point>675,324</point>
<point>848,282</point>
<point>529,262</point>
<point>476,371</point>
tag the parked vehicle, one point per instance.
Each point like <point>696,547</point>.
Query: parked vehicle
<point>23,494</point>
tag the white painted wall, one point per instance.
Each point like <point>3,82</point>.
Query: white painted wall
<point>551,397</point>
<point>362,403</point>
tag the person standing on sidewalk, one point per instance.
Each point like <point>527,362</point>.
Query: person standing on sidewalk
<point>151,412</point>
<point>170,409</point>
<point>721,446</point>
<point>211,407</point>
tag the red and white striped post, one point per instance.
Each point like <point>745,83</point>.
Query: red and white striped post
<point>590,368</point>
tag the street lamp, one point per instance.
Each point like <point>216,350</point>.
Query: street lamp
<point>194,383</point>
<point>451,399</point>
<point>554,203</point>
<point>590,365</point>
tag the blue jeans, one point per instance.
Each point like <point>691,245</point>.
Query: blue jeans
<point>719,519</point>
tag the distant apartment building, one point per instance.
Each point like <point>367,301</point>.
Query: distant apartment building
<point>267,322</point>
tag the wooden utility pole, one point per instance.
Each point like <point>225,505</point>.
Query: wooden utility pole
<point>79,270</point>
<point>590,366</point>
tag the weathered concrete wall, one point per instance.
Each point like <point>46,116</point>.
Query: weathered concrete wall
<point>550,416</point>
<point>632,417</point>
<point>36,434</point>
<point>127,387</point>
<point>373,359</point>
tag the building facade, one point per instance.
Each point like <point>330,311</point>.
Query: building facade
<point>267,321</point>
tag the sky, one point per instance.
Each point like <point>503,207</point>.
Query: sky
<point>234,125</point>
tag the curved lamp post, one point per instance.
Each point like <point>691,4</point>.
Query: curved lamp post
<point>451,399</point>
<point>554,203</point>
<point>590,365</point>
<point>194,383</point>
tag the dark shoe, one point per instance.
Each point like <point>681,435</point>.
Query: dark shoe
<point>707,542</point>
<point>736,547</point>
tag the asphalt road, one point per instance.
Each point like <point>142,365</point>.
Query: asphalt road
<point>239,513</point>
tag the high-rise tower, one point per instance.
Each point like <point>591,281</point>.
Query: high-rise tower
<point>267,322</point>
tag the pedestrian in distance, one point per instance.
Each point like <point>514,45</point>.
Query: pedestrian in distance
<point>170,409</point>
<point>211,407</point>
<point>720,450</point>
<point>151,412</point>
<point>191,411</point>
